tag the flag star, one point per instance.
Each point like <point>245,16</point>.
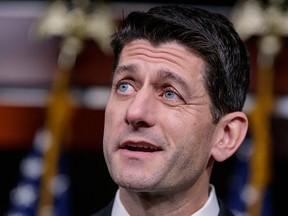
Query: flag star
<point>24,195</point>
<point>59,184</point>
<point>32,167</point>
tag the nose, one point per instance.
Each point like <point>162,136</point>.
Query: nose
<point>141,110</point>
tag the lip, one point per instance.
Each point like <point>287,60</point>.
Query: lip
<point>139,147</point>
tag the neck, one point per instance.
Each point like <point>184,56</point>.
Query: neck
<point>184,202</point>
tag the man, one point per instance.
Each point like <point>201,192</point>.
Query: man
<point>179,84</point>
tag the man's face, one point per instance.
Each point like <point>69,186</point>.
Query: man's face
<point>158,124</point>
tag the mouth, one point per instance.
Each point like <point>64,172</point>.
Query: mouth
<point>140,147</point>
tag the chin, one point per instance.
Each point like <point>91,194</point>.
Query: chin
<point>136,185</point>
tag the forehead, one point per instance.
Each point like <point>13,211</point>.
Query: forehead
<point>171,51</point>
<point>172,56</point>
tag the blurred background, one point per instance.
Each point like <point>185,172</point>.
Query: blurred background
<point>55,66</point>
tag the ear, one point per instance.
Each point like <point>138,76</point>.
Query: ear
<point>228,135</point>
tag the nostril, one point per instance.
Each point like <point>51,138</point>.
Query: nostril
<point>141,124</point>
<point>127,121</point>
<point>136,124</point>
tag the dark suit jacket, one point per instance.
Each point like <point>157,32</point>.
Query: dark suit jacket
<point>106,211</point>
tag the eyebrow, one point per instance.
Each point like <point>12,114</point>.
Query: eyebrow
<point>132,68</point>
<point>169,75</point>
<point>163,74</point>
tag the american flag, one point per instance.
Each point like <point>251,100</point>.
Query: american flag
<point>25,196</point>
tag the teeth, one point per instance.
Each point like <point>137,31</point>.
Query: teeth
<point>142,146</point>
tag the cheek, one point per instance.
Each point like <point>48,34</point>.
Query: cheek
<point>189,137</point>
<point>113,113</point>
<point>109,136</point>
<point>114,122</point>
<point>109,123</point>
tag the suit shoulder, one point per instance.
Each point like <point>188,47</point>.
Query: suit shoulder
<point>106,211</point>
<point>224,211</point>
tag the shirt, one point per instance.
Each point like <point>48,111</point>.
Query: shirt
<point>211,207</point>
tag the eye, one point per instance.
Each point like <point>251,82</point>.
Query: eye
<point>124,88</point>
<point>171,95</point>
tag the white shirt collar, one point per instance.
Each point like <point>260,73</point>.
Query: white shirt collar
<point>211,207</point>
<point>118,208</point>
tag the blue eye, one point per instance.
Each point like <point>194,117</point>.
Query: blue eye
<point>123,87</point>
<point>170,95</point>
